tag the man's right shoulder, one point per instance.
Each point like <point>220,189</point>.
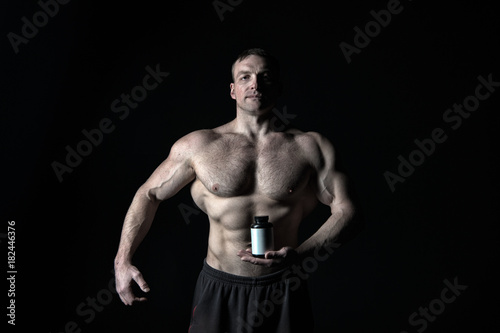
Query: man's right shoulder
<point>195,141</point>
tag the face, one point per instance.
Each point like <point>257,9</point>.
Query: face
<point>255,87</point>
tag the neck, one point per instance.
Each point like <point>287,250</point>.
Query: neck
<point>253,125</point>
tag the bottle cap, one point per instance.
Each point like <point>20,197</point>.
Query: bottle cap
<point>261,219</point>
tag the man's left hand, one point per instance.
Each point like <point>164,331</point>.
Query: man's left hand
<point>271,258</point>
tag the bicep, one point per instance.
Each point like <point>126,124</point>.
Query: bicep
<point>171,175</point>
<point>333,187</point>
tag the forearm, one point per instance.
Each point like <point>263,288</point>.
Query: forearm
<point>340,226</point>
<point>137,223</point>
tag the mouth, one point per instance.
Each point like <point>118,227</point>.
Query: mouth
<point>258,96</point>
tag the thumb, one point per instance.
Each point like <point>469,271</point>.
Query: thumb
<point>284,252</point>
<point>274,254</point>
<point>141,282</point>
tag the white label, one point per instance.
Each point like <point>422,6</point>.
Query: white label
<point>262,240</point>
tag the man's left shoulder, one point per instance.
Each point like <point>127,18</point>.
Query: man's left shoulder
<point>311,139</point>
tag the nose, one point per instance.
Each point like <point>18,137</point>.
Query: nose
<point>254,84</point>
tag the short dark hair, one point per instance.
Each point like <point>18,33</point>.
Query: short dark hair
<point>273,62</point>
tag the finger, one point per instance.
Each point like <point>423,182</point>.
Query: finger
<point>244,253</point>
<point>139,279</point>
<point>246,257</point>
<point>283,253</point>
<point>257,261</point>
<point>127,296</point>
<point>140,299</point>
<point>263,262</point>
<point>273,254</point>
<point>122,299</point>
<point>124,291</point>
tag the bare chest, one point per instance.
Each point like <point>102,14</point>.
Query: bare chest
<point>229,168</point>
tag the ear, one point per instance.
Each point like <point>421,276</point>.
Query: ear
<point>233,95</point>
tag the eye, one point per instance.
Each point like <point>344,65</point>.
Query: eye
<point>267,76</point>
<point>245,77</point>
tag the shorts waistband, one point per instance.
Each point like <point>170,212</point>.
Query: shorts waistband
<point>245,280</point>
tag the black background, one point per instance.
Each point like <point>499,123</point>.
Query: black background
<point>438,224</point>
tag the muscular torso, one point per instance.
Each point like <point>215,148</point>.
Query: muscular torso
<point>238,178</point>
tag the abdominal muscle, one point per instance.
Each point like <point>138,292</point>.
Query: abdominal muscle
<point>224,244</point>
<point>230,221</point>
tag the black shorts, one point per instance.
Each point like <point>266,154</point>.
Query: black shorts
<point>277,303</point>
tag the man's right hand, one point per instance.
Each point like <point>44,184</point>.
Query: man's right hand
<point>124,274</point>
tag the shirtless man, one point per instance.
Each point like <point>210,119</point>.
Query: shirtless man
<point>237,171</point>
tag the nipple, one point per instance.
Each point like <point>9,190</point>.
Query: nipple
<point>215,187</point>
